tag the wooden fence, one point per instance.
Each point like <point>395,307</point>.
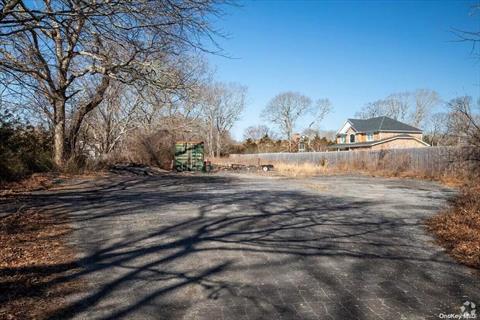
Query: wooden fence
<point>428,160</point>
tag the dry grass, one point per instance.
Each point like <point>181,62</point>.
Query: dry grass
<point>300,170</point>
<point>458,228</point>
<point>34,261</point>
<point>399,169</point>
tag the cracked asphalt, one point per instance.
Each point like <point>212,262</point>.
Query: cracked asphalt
<point>236,246</point>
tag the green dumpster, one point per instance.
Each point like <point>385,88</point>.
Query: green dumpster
<point>189,156</point>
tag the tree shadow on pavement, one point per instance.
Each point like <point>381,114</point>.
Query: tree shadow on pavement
<point>211,247</point>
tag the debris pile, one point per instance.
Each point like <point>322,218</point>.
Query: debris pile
<point>243,167</point>
<point>137,169</point>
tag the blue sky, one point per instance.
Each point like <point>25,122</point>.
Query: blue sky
<point>350,52</point>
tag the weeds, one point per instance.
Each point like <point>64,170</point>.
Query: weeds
<point>458,227</point>
<point>300,170</point>
<point>33,261</point>
<point>399,168</point>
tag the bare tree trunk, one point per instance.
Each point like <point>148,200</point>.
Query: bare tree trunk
<point>218,144</point>
<point>7,8</point>
<point>211,143</point>
<point>84,110</point>
<point>59,133</point>
<point>289,137</point>
<point>51,46</point>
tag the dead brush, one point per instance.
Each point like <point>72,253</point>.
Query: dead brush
<point>34,246</point>
<point>457,228</point>
<point>300,170</point>
<point>387,165</point>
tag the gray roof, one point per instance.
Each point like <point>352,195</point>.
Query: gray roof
<point>381,124</point>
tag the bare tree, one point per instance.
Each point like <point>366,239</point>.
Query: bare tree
<point>48,46</point>
<point>413,108</point>
<point>8,8</point>
<point>222,107</point>
<point>178,109</point>
<point>425,100</point>
<point>256,132</point>
<point>464,126</point>
<point>397,105</point>
<point>321,109</point>
<point>437,132</point>
<point>285,109</point>
<point>372,110</point>
<point>114,118</point>
<point>471,36</point>
<point>464,122</point>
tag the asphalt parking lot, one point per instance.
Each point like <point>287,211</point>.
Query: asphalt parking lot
<point>235,246</point>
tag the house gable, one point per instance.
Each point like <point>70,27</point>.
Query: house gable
<point>346,128</point>
<point>359,132</point>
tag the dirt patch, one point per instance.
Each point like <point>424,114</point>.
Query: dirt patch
<point>37,181</point>
<point>458,228</point>
<point>43,181</point>
<point>35,264</point>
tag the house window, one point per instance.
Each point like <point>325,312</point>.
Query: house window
<point>352,138</point>
<point>301,147</point>
<point>342,139</point>
<point>370,136</point>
